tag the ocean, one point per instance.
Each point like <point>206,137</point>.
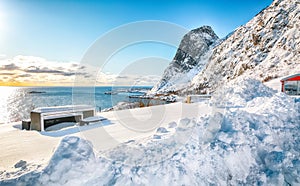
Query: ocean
<point>17,102</point>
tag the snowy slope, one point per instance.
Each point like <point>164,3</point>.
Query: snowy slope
<point>253,142</point>
<point>190,58</point>
<point>267,47</point>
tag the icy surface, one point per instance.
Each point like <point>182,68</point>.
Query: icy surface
<point>254,141</point>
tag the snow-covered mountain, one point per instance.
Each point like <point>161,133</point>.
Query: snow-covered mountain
<point>267,47</point>
<point>190,58</point>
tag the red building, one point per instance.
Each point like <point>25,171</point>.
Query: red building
<point>291,84</point>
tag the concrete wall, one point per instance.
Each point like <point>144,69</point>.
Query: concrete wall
<point>35,121</point>
<point>89,113</point>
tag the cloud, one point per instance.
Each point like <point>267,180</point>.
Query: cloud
<point>2,56</point>
<point>127,79</point>
<point>39,71</point>
<point>47,71</point>
<point>24,75</point>
<point>10,66</point>
<point>36,70</point>
<point>122,77</point>
<point>7,74</point>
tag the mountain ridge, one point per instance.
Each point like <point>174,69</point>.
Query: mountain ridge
<point>265,48</point>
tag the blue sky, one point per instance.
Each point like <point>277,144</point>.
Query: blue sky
<point>62,30</point>
<point>42,36</point>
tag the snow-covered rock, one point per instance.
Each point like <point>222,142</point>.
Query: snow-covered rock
<point>189,59</point>
<point>169,98</point>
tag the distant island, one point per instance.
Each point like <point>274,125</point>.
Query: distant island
<point>36,92</point>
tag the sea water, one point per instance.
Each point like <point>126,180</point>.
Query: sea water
<point>17,102</point>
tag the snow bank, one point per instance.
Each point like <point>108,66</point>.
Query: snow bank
<point>123,106</point>
<point>73,158</point>
<point>256,143</point>
<point>240,91</point>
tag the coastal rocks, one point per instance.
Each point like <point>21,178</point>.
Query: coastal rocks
<point>171,98</point>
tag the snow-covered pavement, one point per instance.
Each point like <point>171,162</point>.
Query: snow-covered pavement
<point>29,146</point>
<point>121,126</point>
<point>139,123</point>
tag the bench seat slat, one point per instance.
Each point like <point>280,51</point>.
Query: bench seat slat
<point>57,116</point>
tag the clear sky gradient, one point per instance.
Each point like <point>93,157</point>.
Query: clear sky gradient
<point>62,30</point>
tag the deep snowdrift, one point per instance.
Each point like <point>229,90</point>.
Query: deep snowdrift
<point>252,140</point>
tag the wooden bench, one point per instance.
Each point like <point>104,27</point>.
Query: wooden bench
<point>44,117</point>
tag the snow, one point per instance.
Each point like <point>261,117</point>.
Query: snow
<point>94,118</point>
<point>36,148</point>
<point>190,58</point>
<point>63,108</point>
<point>252,141</point>
<point>239,92</point>
<point>275,84</point>
<point>247,134</point>
<point>170,98</point>
<point>29,146</point>
<point>124,105</point>
<point>265,48</point>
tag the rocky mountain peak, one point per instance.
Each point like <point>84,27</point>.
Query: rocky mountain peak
<point>192,49</point>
